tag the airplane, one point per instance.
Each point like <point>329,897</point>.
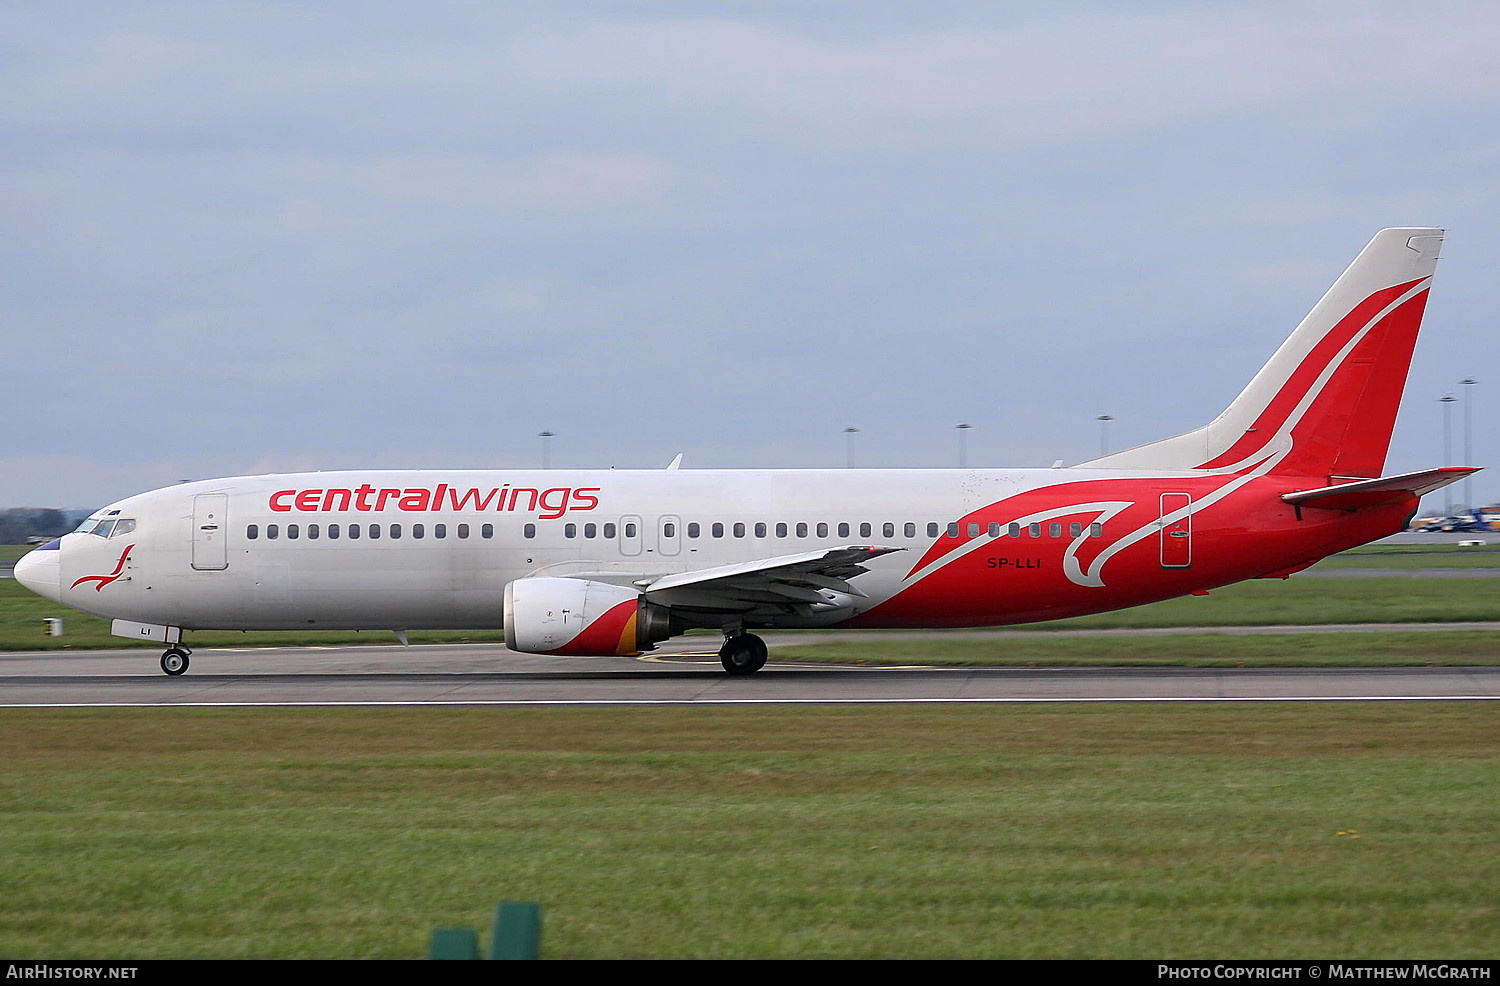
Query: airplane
<point>612,562</point>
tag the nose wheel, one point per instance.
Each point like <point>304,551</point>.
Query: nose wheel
<point>174,661</point>
<point>743,653</point>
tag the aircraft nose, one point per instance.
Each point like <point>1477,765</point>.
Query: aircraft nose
<point>40,571</point>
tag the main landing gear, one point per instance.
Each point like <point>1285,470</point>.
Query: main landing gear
<point>742,653</point>
<point>174,660</point>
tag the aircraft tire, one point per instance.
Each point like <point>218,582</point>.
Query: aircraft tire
<point>743,653</point>
<point>174,661</point>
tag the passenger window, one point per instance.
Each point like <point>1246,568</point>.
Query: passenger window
<point>953,530</point>
<point>910,530</point>
<point>739,529</point>
<point>395,530</point>
<point>440,531</point>
<point>1096,530</point>
<point>529,530</point>
<point>864,530</point>
<point>1014,530</point>
<point>932,530</point>
<point>1075,529</point>
<point>333,532</point>
<point>591,530</point>
<point>668,530</point>
<point>354,532</point>
<point>609,531</point>
<point>252,532</point>
<point>291,532</point>
<point>463,531</point>
<point>781,530</point>
<point>569,531</point>
<point>802,529</point>
<point>718,529</point>
<point>693,529</point>
<point>419,531</point>
<point>973,528</point>
<point>487,531</point>
<point>1054,530</point>
<point>843,530</point>
<point>1035,530</point>
<point>374,532</point>
<point>312,531</point>
<point>760,529</point>
<point>822,530</point>
<point>272,531</point>
<point>630,529</point>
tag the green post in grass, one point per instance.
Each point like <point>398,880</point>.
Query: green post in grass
<point>454,943</point>
<point>517,933</point>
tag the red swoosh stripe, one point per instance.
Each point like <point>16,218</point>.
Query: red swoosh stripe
<point>105,580</point>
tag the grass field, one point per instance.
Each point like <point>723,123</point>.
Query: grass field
<point>1350,831</point>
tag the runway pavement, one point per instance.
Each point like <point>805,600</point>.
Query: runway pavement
<point>684,673</point>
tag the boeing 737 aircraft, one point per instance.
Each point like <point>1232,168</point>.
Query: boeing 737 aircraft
<point>611,562</point>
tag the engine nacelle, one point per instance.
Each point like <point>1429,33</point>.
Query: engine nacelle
<point>547,615</point>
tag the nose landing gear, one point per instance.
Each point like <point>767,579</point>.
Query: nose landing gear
<point>174,660</point>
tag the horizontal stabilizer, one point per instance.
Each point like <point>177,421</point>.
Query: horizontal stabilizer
<point>1373,492</point>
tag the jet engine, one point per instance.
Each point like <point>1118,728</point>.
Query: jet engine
<point>548,615</point>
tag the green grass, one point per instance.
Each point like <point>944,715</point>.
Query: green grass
<point>1308,601</point>
<point>1344,830</point>
<point>1412,556</point>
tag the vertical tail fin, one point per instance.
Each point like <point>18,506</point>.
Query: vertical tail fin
<point>1326,403</point>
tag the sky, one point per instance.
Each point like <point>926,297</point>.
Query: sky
<point>246,237</point>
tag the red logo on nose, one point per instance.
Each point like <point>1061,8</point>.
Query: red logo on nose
<point>105,580</point>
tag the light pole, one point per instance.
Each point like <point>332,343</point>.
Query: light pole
<point>546,437</point>
<point>963,448</point>
<point>1467,384</point>
<point>1104,420</point>
<point>1447,401</point>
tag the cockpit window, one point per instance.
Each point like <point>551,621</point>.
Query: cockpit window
<point>107,527</point>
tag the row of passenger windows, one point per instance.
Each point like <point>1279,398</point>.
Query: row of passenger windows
<point>823,530</point>
<point>354,532</point>
<point>609,530</point>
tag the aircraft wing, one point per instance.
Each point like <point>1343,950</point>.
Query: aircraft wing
<point>1370,492</point>
<point>787,582</point>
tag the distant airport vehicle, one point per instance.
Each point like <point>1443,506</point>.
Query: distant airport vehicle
<point>613,561</point>
<point>1463,522</point>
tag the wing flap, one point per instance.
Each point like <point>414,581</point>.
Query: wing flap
<point>786,579</point>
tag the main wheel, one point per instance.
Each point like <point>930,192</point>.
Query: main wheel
<point>743,653</point>
<point>174,661</point>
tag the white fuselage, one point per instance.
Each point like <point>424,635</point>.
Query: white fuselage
<point>408,549</point>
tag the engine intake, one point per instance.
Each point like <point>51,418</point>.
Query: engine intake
<point>549,615</point>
